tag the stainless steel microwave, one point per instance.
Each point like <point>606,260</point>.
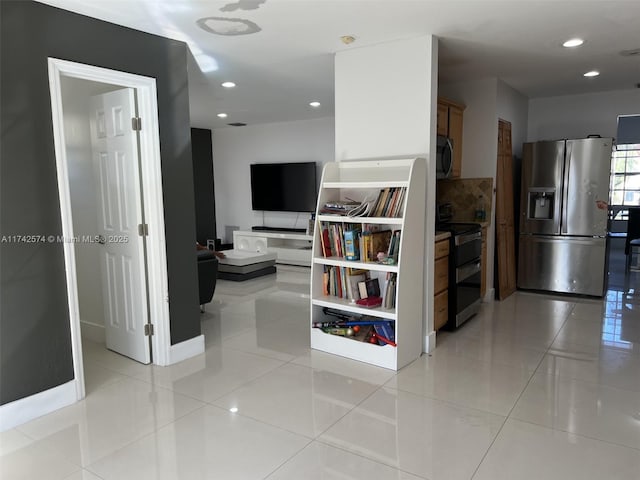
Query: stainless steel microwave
<point>444,157</point>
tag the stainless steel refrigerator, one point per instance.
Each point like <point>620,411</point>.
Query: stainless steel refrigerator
<point>563,217</point>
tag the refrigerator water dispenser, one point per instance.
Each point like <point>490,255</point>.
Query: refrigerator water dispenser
<point>541,205</point>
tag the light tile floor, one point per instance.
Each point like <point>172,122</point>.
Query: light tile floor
<point>534,387</point>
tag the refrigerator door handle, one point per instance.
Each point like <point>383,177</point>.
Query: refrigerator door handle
<point>564,207</point>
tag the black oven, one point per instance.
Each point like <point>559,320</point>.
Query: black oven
<point>465,271</point>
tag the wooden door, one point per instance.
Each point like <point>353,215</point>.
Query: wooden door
<point>505,231</point>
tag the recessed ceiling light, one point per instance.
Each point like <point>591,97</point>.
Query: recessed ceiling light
<point>592,73</point>
<point>574,42</point>
<point>233,409</point>
<point>314,104</point>
<point>228,84</point>
<point>222,115</point>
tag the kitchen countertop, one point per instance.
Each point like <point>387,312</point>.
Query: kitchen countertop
<point>442,236</point>
<point>457,219</point>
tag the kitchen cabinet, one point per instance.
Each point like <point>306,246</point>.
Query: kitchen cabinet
<point>450,119</point>
<point>332,271</point>
<point>441,282</point>
<point>443,120</point>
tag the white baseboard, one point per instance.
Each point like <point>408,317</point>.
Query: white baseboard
<point>187,349</point>
<point>92,331</point>
<point>489,295</point>
<point>429,343</point>
<point>20,411</point>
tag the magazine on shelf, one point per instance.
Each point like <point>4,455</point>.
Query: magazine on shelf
<point>348,207</point>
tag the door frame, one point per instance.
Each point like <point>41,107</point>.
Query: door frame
<point>151,176</point>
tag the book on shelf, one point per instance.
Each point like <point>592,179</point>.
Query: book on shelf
<point>362,290</point>
<point>379,243</point>
<point>394,245</point>
<point>389,202</point>
<point>331,228</point>
<point>365,240</point>
<point>389,291</point>
<point>339,207</point>
<point>385,288</point>
<point>351,244</point>
<point>370,302</point>
<point>354,280</point>
<point>348,207</point>
<point>341,240</point>
<point>325,281</point>
<point>326,241</point>
<point>376,205</point>
<point>384,195</point>
<point>386,209</point>
<point>400,204</point>
<point>385,333</point>
<point>340,282</point>
<point>369,288</point>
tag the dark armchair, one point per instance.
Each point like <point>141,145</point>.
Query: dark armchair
<point>207,275</point>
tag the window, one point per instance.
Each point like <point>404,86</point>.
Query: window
<point>625,181</point>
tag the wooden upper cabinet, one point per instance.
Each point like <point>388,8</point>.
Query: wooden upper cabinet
<point>450,125</point>
<point>443,120</point>
<point>455,134</point>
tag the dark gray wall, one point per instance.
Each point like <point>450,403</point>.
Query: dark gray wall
<point>203,184</point>
<point>35,344</point>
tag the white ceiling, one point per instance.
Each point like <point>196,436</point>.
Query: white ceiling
<point>289,63</point>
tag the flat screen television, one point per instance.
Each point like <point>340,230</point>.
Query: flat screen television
<point>284,187</point>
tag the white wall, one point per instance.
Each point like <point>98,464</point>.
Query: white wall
<point>479,142</point>
<point>383,99</point>
<point>480,125</point>
<point>75,98</point>
<point>513,107</point>
<point>576,116</point>
<point>235,148</point>
<point>385,106</point>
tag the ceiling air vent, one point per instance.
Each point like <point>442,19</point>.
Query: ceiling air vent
<point>237,124</point>
<point>630,53</point>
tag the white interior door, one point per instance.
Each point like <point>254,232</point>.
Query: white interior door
<point>115,156</point>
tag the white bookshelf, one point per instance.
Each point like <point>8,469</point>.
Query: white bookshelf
<point>359,180</point>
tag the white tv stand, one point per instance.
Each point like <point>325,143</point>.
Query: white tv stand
<point>291,248</point>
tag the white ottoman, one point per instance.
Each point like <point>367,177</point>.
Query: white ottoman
<point>240,265</point>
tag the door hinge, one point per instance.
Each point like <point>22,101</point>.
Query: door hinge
<point>136,123</point>
<point>143,229</point>
<point>148,329</point>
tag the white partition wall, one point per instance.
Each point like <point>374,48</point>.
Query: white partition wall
<point>385,106</point>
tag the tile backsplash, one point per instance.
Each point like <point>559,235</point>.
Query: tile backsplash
<point>463,194</point>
